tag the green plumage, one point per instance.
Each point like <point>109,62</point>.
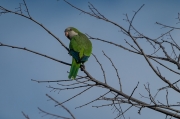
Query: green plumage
<point>80,50</point>
<point>74,69</point>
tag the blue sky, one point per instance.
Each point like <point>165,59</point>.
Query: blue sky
<point>17,68</point>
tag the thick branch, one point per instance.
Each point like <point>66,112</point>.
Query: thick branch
<point>127,96</point>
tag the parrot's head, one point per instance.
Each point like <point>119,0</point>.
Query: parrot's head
<point>70,32</point>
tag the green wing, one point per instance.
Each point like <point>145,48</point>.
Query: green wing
<point>80,43</point>
<point>80,49</point>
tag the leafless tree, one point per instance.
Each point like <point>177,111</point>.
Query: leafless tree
<point>165,51</point>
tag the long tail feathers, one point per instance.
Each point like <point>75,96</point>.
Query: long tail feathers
<point>74,69</point>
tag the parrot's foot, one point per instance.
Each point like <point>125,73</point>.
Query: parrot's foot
<point>82,67</point>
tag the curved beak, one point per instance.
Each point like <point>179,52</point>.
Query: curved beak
<point>66,34</point>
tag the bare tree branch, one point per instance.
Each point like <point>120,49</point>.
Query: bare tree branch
<point>4,10</point>
<point>116,97</point>
<point>116,71</point>
<point>133,91</point>
<point>1,44</point>
<point>61,106</point>
<point>101,67</point>
<point>53,115</point>
<point>26,116</point>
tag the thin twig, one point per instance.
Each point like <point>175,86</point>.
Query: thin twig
<point>134,17</point>
<point>133,91</point>
<point>93,100</point>
<point>26,116</point>
<point>75,95</point>
<point>167,98</point>
<point>167,26</point>
<point>115,70</point>
<point>53,115</point>
<point>101,67</point>
<point>27,9</point>
<point>30,18</point>
<point>49,81</point>
<point>61,105</point>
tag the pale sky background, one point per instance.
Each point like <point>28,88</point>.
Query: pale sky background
<point>17,68</point>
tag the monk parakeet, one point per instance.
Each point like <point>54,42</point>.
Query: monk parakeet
<point>80,48</point>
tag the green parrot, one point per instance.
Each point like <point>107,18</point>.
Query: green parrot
<point>80,48</point>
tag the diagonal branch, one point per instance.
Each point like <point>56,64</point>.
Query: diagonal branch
<point>101,67</point>
<point>134,17</point>
<point>33,20</point>
<point>21,48</point>
<point>93,100</point>
<point>53,115</point>
<point>61,105</point>
<point>27,8</point>
<point>117,45</point>
<point>133,91</point>
<point>75,95</point>
<point>167,26</point>
<point>115,70</point>
<point>127,97</point>
<point>26,116</point>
